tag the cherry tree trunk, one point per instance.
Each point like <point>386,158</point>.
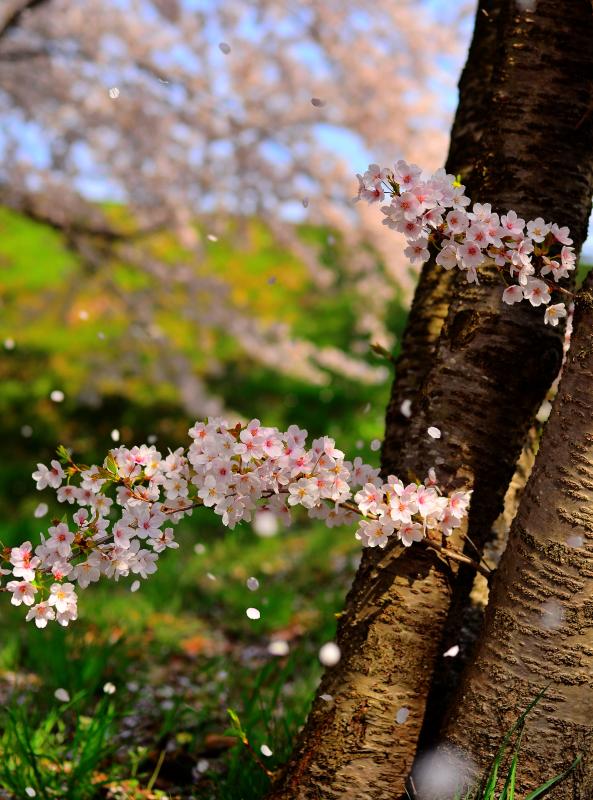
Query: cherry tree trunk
<point>488,371</point>
<point>539,623</point>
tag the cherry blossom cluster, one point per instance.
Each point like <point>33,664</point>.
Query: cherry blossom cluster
<point>123,510</point>
<point>533,257</point>
<point>409,511</point>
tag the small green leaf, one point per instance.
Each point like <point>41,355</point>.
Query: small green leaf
<point>63,454</point>
<point>110,464</point>
<point>236,725</point>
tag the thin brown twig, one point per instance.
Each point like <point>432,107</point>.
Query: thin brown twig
<point>455,555</point>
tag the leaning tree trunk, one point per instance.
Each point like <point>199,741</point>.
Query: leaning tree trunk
<point>425,322</point>
<point>539,623</point>
<point>488,373</point>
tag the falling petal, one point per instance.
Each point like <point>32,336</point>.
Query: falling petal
<point>329,654</point>
<point>446,772</point>
<point>552,615</point>
<point>544,411</point>
<point>574,540</point>
<point>278,648</point>
<point>406,408</point>
<point>265,524</point>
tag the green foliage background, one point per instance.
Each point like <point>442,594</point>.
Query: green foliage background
<point>186,629</point>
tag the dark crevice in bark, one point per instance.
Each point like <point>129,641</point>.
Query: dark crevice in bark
<point>545,45</point>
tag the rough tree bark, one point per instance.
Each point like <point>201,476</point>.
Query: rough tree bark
<point>539,623</point>
<point>425,322</point>
<point>489,371</point>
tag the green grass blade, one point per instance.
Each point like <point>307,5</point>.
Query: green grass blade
<point>508,791</point>
<point>23,739</point>
<point>553,781</point>
<point>487,791</point>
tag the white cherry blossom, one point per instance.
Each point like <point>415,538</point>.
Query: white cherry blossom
<point>554,314</point>
<point>123,511</point>
<point>434,211</point>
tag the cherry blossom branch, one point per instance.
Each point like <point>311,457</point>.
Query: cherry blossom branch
<point>239,472</point>
<point>433,213</point>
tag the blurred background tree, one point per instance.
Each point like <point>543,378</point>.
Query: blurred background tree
<point>177,224</point>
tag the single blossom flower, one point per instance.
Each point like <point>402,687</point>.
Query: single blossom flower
<point>554,314</point>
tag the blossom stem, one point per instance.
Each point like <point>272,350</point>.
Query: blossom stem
<point>455,555</point>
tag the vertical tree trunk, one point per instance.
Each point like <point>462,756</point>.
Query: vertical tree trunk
<point>488,373</point>
<point>435,288</point>
<point>539,623</point>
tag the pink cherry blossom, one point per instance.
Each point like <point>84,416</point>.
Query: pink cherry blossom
<point>470,254</point>
<point>562,235</point>
<point>512,223</point>
<point>41,613</point>
<point>52,476</point>
<point>536,292</point>
<point>24,563</point>
<point>410,533</point>
<point>22,592</point>
<point>433,211</point>
<point>117,529</point>
<point>513,294</point>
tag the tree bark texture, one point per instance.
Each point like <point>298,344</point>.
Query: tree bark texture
<point>539,623</point>
<point>488,372</point>
<point>303,776</point>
